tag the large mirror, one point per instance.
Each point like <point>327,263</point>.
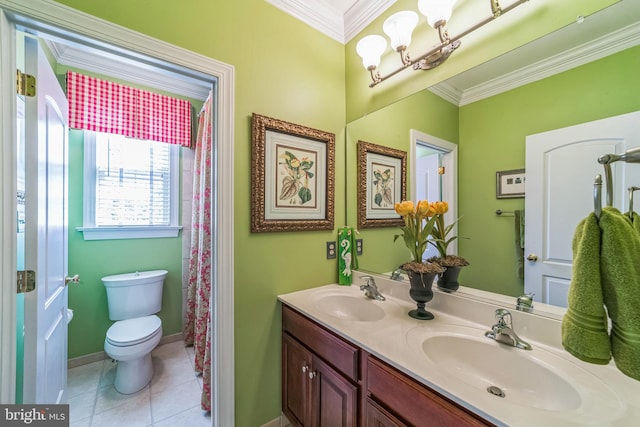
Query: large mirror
<point>490,123</point>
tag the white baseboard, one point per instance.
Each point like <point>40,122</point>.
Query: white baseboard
<point>101,355</point>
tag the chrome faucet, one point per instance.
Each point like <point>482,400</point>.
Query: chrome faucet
<point>525,302</point>
<point>396,274</point>
<point>503,331</point>
<point>370,289</point>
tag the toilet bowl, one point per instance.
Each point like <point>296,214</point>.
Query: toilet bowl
<point>130,343</point>
<point>133,300</point>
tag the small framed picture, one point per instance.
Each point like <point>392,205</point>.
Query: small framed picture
<point>292,176</point>
<point>382,182</point>
<point>510,184</point>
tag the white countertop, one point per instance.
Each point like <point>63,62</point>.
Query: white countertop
<point>603,396</point>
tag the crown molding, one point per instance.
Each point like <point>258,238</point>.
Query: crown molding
<point>361,14</point>
<point>331,21</point>
<point>115,67</point>
<point>315,14</point>
<point>601,47</point>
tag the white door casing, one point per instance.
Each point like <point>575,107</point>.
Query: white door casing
<point>46,154</point>
<point>561,166</point>
<point>83,28</point>
<point>449,179</point>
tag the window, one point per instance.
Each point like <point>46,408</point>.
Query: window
<point>130,187</point>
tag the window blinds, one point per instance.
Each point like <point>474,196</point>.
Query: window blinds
<point>103,106</point>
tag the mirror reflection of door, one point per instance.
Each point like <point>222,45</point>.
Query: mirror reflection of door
<point>561,165</point>
<point>433,164</point>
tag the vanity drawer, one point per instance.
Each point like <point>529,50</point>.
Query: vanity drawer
<point>413,402</point>
<point>333,349</point>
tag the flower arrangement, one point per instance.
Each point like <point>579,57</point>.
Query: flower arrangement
<point>441,239</point>
<point>419,221</point>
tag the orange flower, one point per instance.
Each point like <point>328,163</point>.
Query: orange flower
<point>440,207</point>
<point>404,208</point>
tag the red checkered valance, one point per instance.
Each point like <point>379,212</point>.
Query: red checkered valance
<point>104,106</point>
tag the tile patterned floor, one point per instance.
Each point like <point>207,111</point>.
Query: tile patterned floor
<point>172,399</point>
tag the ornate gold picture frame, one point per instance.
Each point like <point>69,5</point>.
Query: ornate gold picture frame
<point>382,182</point>
<point>292,176</point>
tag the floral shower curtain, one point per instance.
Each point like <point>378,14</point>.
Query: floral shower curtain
<point>198,321</point>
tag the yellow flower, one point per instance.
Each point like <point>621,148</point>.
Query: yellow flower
<point>404,208</point>
<point>440,207</point>
<point>295,163</point>
<point>422,210</point>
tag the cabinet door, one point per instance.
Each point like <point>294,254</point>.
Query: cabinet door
<point>376,416</point>
<point>334,398</point>
<point>296,393</point>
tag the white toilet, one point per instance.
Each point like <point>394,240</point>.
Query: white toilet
<point>133,300</point>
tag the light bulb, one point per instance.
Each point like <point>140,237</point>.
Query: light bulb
<point>399,27</point>
<point>436,10</point>
<point>370,49</point>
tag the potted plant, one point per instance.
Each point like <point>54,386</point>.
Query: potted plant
<point>419,221</point>
<point>448,280</point>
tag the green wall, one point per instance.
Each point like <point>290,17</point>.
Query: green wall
<point>287,70</point>
<point>525,23</point>
<point>492,138</point>
<point>283,69</point>
<point>95,259</point>
<point>390,127</point>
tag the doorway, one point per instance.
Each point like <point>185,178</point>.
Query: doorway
<point>433,164</point>
<point>55,20</point>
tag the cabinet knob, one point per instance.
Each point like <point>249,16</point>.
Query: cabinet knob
<point>312,374</point>
<point>305,368</point>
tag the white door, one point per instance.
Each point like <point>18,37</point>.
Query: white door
<point>561,166</point>
<point>45,344</point>
<point>428,187</point>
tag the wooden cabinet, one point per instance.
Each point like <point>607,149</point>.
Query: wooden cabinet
<point>330,382</point>
<point>413,402</point>
<point>319,375</point>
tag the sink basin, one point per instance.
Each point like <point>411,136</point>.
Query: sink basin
<point>469,364</point>
<point>502,371</point>
<point>347,307</point>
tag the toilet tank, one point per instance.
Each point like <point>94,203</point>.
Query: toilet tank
<point>136,294</point>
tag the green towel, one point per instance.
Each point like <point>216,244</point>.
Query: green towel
<point>347,256</point>
<point>620,266</point>
<point>584,326</point>
<point>635,221</point>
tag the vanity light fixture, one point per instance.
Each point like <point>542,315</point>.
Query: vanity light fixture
<point>399,26</point>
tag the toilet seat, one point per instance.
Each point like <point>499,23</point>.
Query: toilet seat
<point>130,332</point>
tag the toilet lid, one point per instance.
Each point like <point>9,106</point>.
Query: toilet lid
<point>133,331</point>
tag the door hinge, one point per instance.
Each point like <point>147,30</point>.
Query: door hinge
<point>25,83</point>
<point>26,281</point>
<point>441,170</point>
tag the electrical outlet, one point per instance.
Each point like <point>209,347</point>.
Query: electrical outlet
<point>359,246</point>
<point>331,250</point>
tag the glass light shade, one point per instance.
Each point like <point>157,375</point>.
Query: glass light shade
<point>370,49</point>
<point>436,10</point>
<point>399,27</point>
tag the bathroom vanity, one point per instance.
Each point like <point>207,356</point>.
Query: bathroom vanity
<point>351,361</point>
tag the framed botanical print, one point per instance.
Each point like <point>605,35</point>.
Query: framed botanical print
<point>382,182</point>
<point>292,176</point>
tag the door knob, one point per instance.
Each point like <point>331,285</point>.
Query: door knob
<point>74,279</point>
<point>532,257</point>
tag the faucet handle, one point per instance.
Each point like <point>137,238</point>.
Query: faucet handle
<point>503,316</point>
<point>370,280</point>
<point>525,302</point>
